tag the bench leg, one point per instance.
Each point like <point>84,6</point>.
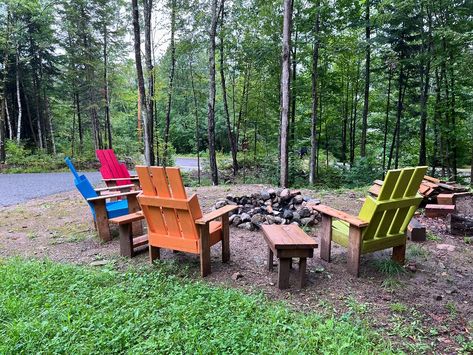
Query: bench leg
<point>283,273</point>
<point>126,240</point>
<point>354,251</point>
<point>153,253</point>
<point>270,259</point>
<point>101,221</point>
<point>326,238</point>
<point>302,272</point>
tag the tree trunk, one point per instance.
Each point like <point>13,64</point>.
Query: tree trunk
<point>292,126</point>
<point>211,101</point>
<point>285,92</point>
<point>49,120</point>
<point>471,169</point>
<point>364,127</point>
<point>424,87</point>
<point>18,97</point>
<point>147,12</point>
<point>2,131</point>
<point>171,80</point>
<point>231,135</point>
<point>197,125</point>
<point>148,134</point>
<point>354,117</point>
<point>398,116</point>
<point>105,87</point>
<point>386,119</point>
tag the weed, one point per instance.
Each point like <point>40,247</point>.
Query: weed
<point>452,308</point>
<point>415,251</point>
<point>391,284</point>
<point>389,267</point>
<point>468,240</point>
<point>398,307</point>
<point>355,306</point>
<point>433,237</point>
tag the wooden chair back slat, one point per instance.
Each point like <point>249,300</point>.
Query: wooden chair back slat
<point>146,183</point>
<point>165,204</point>
<point>175,183</point>
<point>396,204</point>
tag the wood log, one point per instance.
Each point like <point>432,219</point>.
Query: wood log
<point>433,211</point>
<point>416,231</point>
<point>431,179</point>
<point>460,225</point>
<point>446,199</point>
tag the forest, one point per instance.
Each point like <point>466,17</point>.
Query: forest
<point>291,92</point>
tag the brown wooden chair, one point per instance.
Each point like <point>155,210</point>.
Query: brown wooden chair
<point>176,221</point>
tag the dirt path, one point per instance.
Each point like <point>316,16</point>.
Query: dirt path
<point>427,308</point>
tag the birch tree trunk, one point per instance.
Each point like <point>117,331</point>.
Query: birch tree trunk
<point>315,97</point>
<point>18,97</point>
<point>211,101</point>
<point>147,13</point>
<point>285,92</point>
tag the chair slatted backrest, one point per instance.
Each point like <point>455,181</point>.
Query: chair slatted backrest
<point>111,167</point>
<point>398,199</point>
<point>82,184</point>
<point>165,205</point>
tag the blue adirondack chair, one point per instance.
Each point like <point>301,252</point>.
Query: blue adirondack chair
<point>102,210</point>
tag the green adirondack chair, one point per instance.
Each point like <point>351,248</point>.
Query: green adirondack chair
<point>381,222</point>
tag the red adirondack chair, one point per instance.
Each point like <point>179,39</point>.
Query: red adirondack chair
<point>113,172</point>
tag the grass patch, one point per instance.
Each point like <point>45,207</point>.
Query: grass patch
<point>389,267</point>
<point>415,251</point>
<point>53,308</point>
<point>391,284</point>
<point>431,236</point>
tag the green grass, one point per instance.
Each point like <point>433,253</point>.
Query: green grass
<point>54,308</point>
<point>389,267</point>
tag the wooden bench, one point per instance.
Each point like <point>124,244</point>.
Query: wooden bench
<point>129,230</point>
<point>287,242</point>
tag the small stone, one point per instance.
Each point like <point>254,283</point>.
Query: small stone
<point>278,220</point>
<point>276,205</point>
<point>412,267</point>
<point>287,214</point>
<point>269,209</point>
<point>285,194</point>
<point>245,217</point>
<point>271,284</point>
<point>99,263</point>
<point>272,192</point>
<point>296,217</point>
<point>230,197</point>
<point>265,195</point>
<point>220,204</point>
<point>236,276</point>
<point>298,199</point>
<point>314,201</point>
<point>236,221</point>
<point>247,225</point>
<point>257,219</point>
<point>304,212</point>
<point>446,247</point>
<point>270,219</point>
<point>438,297</point>
<point>453,290</point>
<point>308,221</point>
<point>268,203</point>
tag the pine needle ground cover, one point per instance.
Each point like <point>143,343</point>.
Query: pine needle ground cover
<point>48,307</point>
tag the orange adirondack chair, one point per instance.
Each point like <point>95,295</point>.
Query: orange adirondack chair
<point>176,221</point>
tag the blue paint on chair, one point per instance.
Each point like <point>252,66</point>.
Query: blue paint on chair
<point>114,208</point>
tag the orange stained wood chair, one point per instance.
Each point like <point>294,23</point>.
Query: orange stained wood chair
<point>176,221</point>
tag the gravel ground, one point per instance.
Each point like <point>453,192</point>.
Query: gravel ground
<point>17,188</point>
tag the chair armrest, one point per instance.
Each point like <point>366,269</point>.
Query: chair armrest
<point>124,194</point>
<point>215,214</point>
<point>354,221</point>
<point>129,186</point>
<point>121,179</point>
<point>128,218</point>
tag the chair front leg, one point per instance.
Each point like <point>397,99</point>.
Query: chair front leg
<point>326,237</point>
<point>354,250</point>
<point>134,206</point>
<point>101,220</point>
<point>225,238</point>
<point>205,250</point>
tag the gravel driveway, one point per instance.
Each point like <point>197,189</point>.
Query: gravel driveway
<point>16,188</point>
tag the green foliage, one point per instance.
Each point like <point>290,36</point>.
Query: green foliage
<point>389,267</point>
<point>53,308</point>
<point>21,159</point>
<point>431,236</point>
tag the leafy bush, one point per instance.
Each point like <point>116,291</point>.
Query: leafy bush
<point>21,159</point>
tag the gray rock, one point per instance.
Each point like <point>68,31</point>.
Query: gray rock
<point>257,219</point>
<point>236,220</point>
<point>285,194</point>
<point>265,195</point>
<point>220,204</point>
<point>305,212</point>
<point>272,192</point>
<point>296,217</point>
<point>245,217</point>
<point>268,203</point>
<point>230,197</point>
<point>314,201</point>
<point>270,219</point>
<point>298,199</point>
<point>308,221</point>
<point>232,217</point>
<point>237,276</point>
<point>248,226</point>
<point>287,214</point>
<point>278,220</point>
<point>276,205</point>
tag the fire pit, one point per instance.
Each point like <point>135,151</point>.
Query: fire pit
<point>271,206</point>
